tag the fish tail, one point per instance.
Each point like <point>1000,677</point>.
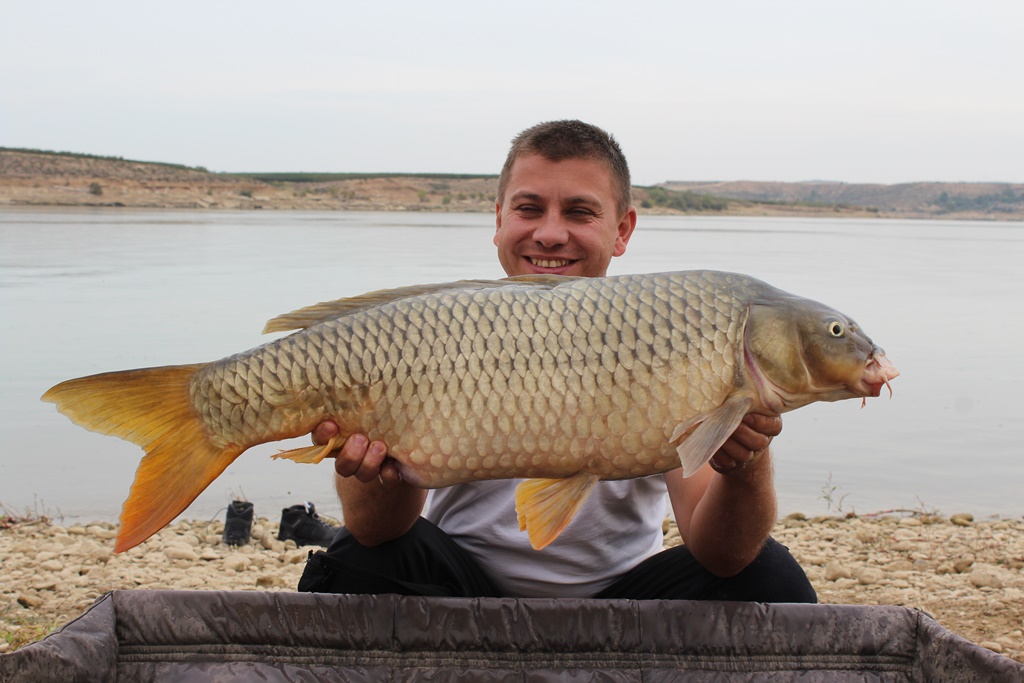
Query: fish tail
<point>150,407</point>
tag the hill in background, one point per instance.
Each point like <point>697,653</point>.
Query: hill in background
<point>39,178</point>
<point>931,200</point>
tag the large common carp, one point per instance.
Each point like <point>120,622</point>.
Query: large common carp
<point>564,381</point>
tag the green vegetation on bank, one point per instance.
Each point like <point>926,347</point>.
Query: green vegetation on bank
<point>78,155</point>
<point>1005,201</point>
<point>815,204</point>
<point>276,177</point>
<point>682,200</point>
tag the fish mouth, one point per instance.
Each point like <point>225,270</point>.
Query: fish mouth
<point>877,373</point>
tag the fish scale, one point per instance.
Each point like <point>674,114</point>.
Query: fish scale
<point>602,382</point>
<point>563,381</point>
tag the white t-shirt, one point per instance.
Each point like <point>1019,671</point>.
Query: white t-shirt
<point>618,527</point>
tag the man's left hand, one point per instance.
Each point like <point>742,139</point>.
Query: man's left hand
<point>749,442</point>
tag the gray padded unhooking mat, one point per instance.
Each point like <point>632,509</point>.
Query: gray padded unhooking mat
<point>229,636</point>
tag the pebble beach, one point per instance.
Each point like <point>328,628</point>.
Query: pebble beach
<point>967,574</point>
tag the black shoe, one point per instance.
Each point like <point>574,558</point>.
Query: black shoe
<point>301,524</point>
<point>238,523</point>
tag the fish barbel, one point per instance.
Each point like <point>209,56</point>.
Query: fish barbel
<point>562,381</point>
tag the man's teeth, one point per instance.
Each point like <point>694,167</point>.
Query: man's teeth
<point>545,263</point>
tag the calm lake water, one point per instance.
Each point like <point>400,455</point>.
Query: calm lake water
<point>85,291</point>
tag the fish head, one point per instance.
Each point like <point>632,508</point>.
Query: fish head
<point>799,351</point>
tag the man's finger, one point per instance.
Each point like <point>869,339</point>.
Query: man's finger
<point>747,438</point>
<point>768,425</point>
<point>350,456</point>
<point>370,467</point>
<point>324,432</point>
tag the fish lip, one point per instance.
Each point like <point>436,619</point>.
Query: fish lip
<point>878,370</point>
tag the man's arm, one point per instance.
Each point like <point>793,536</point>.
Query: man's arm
<point>726,510</point>
<point>376,505</point>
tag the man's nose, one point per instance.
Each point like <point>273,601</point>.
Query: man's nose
<point>551,232</point>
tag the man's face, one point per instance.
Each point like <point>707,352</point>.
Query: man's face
<point>560,218</point>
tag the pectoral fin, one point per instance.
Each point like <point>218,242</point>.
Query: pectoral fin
<point>712,430</point>
<point>546,506</point>
<point>309,455</point>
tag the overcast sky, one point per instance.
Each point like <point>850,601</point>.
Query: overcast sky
<point>889,91</point>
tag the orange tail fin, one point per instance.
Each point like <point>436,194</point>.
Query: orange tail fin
<point>151,408</point>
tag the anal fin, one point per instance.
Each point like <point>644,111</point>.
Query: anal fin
<point>546,506</point>
<point>309,455</point>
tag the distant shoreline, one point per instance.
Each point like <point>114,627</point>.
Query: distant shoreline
<point>30,178</point>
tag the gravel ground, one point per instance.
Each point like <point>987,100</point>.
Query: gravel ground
<point>967,574</point>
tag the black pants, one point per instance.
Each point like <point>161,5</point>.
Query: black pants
<point>426,561</point>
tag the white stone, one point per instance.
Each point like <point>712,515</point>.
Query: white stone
<point>180,553</point>
<point>962,519</point>
<point>190,539</point>
<point>295,556</point>
<point>47,584</point>
<point>834,571</point>
<point>868,576</point>
<point>101,555</point>
<point>984,578</point>
<point>237,562</point>
<point>101,532</point>
<point>271,581</point>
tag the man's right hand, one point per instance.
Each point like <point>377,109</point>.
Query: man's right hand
<point>373,512</point>
<point>358,457</point>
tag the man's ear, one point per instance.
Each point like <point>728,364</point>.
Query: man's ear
<point>497,222</point>
<point>625,231</point>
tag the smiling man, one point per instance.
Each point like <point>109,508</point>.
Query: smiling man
<point>560,217</point>
<point>563,207</point>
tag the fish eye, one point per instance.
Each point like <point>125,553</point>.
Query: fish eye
<point>836,329</point>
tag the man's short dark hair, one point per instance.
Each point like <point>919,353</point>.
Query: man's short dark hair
<point>571,139</point>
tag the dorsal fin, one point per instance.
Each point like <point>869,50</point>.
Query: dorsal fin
<point>327,310</point>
